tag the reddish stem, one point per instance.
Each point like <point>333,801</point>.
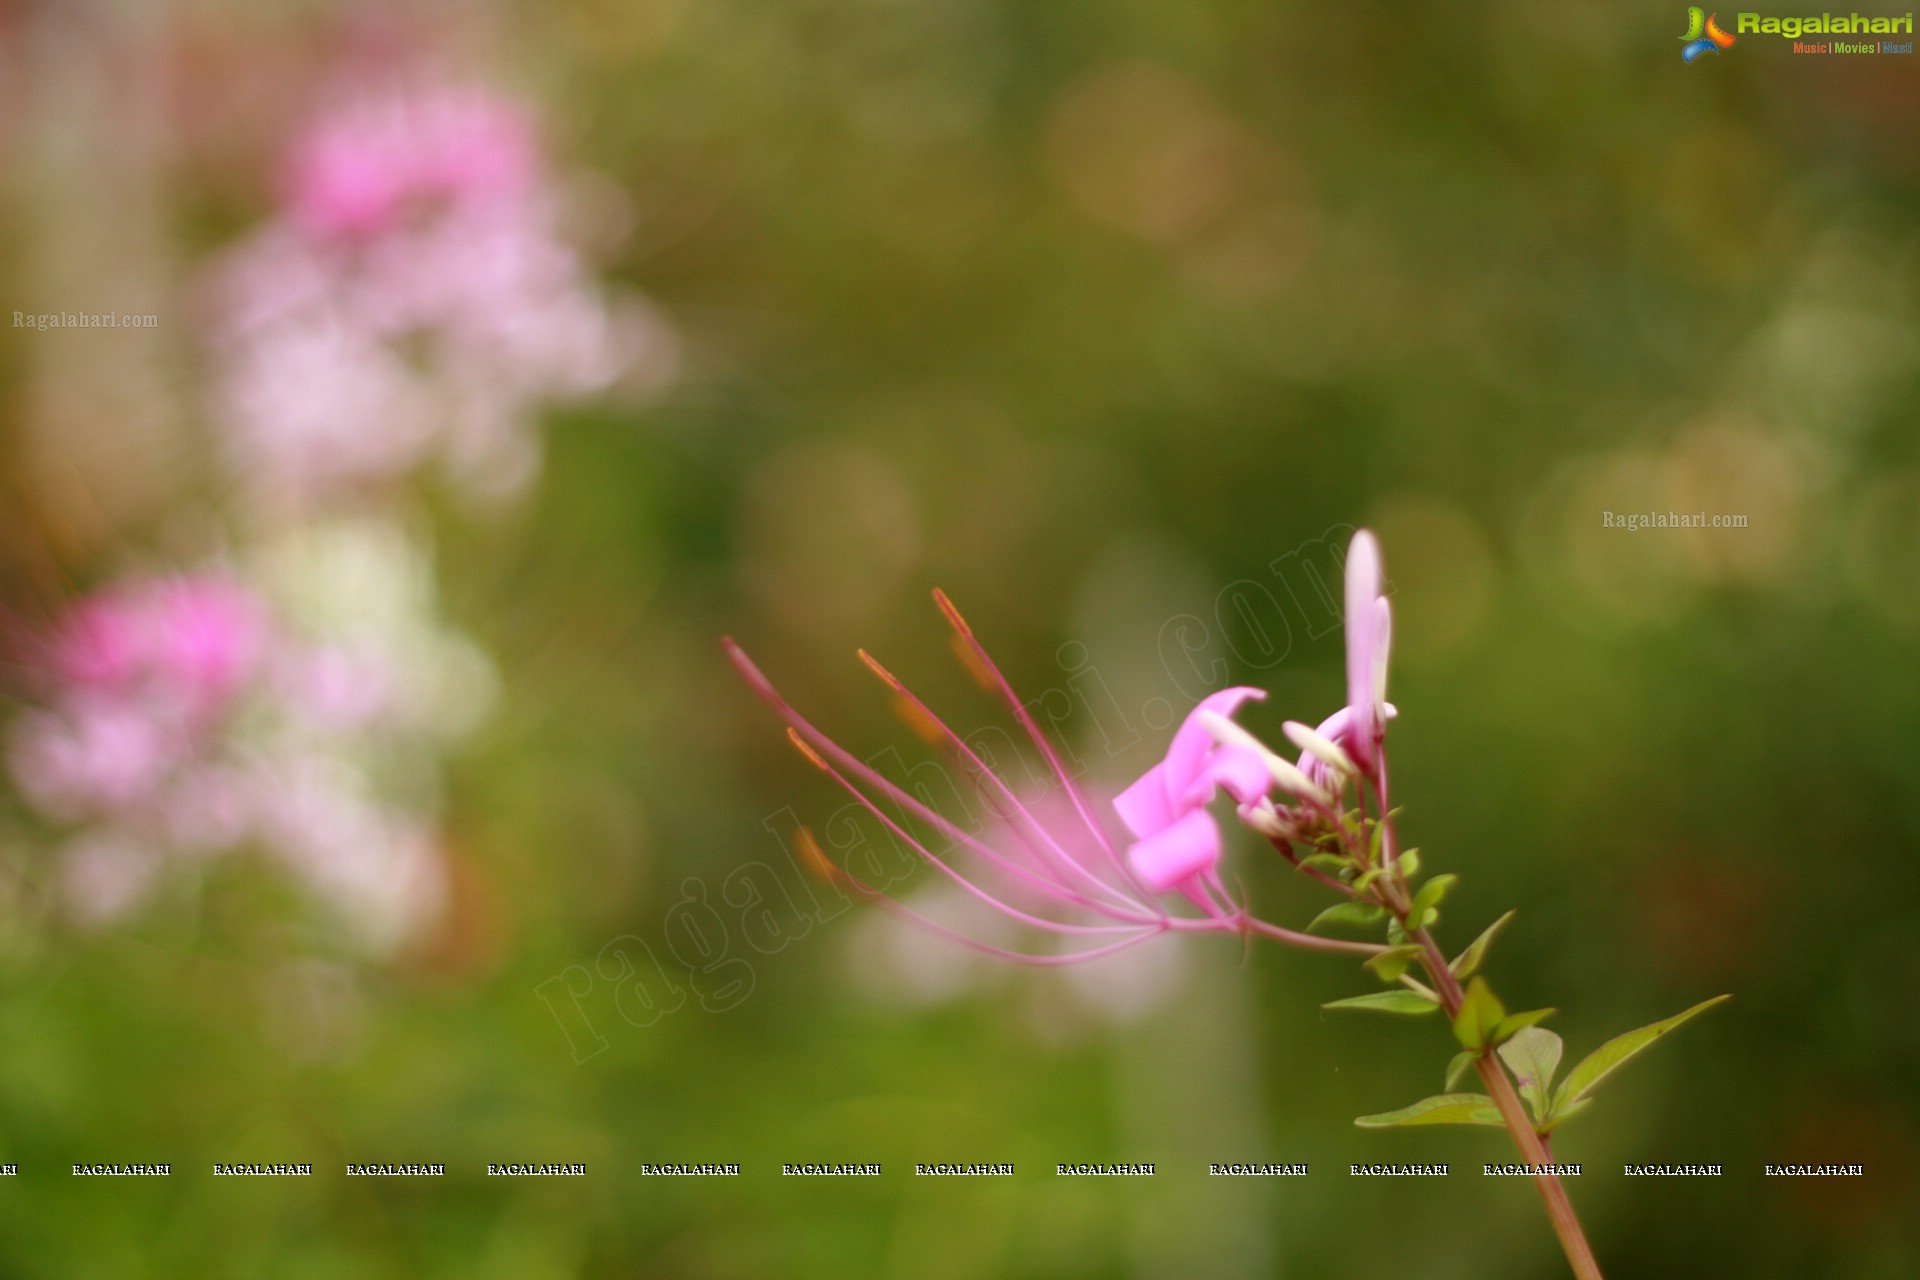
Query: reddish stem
<point>1533,1148</point>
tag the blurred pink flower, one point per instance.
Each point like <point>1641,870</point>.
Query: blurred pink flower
<point>376,160</point>
<point>95,757</point>
<point>414,299</point>
<point>296,711</point>
<point>194,639</point>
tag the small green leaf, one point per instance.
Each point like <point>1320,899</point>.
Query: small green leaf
<point>1534,1055</point>
<point>1421,919</point>
<point>1442,1108</point>
<point>1409,863</point>
<point>1358,913</point>
<point>1329,862</point>
<point>1395,934</point>
<point>1480,1012</point>
<point>1367,878</point>
<point>1386,1002</point>
<point>1425,991</point>
<point>1508,1026</point>
<point>1605,1060</point>
<point>1389,965</point>
<point>1560,1115</point>
<point>1467,963</point>
<point>1432,893</point>
<point>1461,1064</point>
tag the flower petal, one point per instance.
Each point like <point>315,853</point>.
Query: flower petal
<point>1146,806</point>
<point>1187,756</point>
<point>1384,611</point>
<point>1337,728</point>
<point>1241,770</point>
<point>1363,639</point>
<point>1181,851</point>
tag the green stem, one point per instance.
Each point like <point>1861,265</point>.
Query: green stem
<point>1533,1148</point>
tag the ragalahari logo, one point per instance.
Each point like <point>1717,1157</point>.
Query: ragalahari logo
<point>1703,34</point>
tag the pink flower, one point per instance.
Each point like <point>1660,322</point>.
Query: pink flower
<point>1177,841</point>
<point>414,299</point>
<point>1040,873</point>
<point>98,756</point>
<point>143,676</point>
<point>1369,626</point>
<point>361,170</point>
<point>209,635</point>
<point>195,638</point>
<point>1338,729</point>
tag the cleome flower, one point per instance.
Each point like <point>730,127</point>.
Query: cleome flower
<point>1072,881</point>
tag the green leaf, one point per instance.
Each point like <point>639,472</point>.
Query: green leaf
<point>1605,1060</point>
<point>1359,913</point>
<point>1467,963</point>
<point>1508,1026</point>
<point>1442,1108</point>
<point>1395,934</point>
<point>1389,965</point>
<point>1409,863</point>
<point>1367,878</point>
<point>1386,1002</point>
<point>1479,1013</point>
<point>1562,1114</point>
<point>1432,893</point>
<point>1329,862</point>
<point>1534,1055</point>
<point>1461,1064</point>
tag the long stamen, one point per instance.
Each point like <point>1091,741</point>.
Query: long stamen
<point>894,792</point>
<point>881,783</point>
<point>1018,957</point>
<point>979,769</point>
<point>822,865</point>
<point>1020,713</point>
<point>974,890</point>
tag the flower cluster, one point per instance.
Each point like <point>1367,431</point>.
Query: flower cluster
<point>411,299</point>
<point>1084,881</point>
<point>1177,842</point>
<point>185,717</point>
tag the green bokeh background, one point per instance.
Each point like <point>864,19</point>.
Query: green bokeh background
<point>1086,312</point>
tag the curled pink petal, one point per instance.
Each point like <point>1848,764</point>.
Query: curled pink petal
<point>1176,854</point>
<point>1146,806</point>
<point>1192,744</point>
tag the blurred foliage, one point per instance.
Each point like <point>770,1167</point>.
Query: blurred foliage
<point>1084,312</point>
